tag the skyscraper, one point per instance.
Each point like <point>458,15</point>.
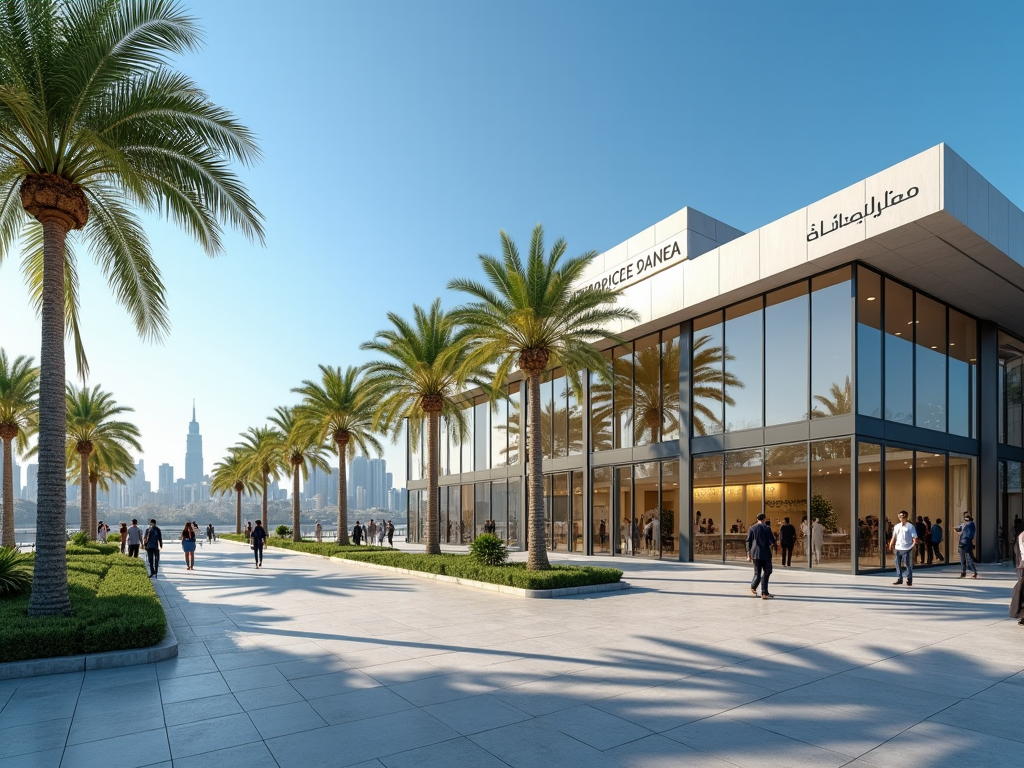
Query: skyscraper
<point>358,477</point>
<point>166,478</point>
<point>30,482</point>
<point>194,452</point>
<point>376,489</point>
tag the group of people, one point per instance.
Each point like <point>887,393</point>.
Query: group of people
<point>908,537</point>
<point>373,533</point>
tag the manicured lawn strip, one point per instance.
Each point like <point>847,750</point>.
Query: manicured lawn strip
<point>460,566</point>
<point>115,608</point>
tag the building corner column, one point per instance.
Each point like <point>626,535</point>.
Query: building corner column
<point>987,512</point>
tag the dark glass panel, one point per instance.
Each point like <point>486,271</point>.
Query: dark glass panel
<point>482,516</point>
<point>869,343</point>
<point>1010,506</point>
<point>468,510</point>
<point>560,511</point>
<point>547,415</point>
<point>669,385</point>
<point>666,527</point>
<point>514,512</point>
<point>963,497</point>
<point>930,362</point>
<point>832,344</point>
<point>499,508</point>
<point>899,353</point>
<point>482,433</point>
<point>601,410</point>
<point>707,506</point>
<point>629,535</point>
<point>445,531</point>
<point>646,508</point>
<point>899,488</point>
<point>743,365</point>
<point>1011,386</point>
<point>576,520</point>
<point>743,498</point>
<point>453,530</point>
<point>929,499</point>
<point>647,391</point>
<point>575,411</point>
<point>869,506</point>
<point>600,509</point>
<point>786,344</point>
<point>515,421</point>
<point>548,504</point>
<point>831,512</point>
<point>785,495</point>
<point>623,420</point>
<point>963,365</point>
<point>499,434</point>
<point>708,375</point>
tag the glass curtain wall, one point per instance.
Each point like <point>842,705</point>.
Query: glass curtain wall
<point>786,354</point>
<point>647,391</point>
<point>560,532</point>
<point>482,518</point>
<point>576,512</point>
<point>601,509</point>
<point>831,510</point>
<point>930,377</point>
<point>515,422</point>
<point>670,359</point>
<point>1011,507</point>
<point>709,383</point>
<point>1011,391</point>
<point>515,513</point>
<point>832,344</point>
<point>963,374</point>
<point>870,531</point>
<point>482,433</point>
<point>744,325</point>
<point>707,507</point>
<point>785,497</point>
<point>666,524</point>
<point>743,498</point>
<point>929,501</point>
<point>869,343</point>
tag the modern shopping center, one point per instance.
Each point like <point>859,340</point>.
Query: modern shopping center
<point>856,358</point>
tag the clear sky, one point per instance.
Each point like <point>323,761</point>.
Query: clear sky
<point>400,137</point>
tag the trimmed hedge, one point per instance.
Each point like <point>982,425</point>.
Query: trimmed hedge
<point>460,566</point>
<point>114,608</point>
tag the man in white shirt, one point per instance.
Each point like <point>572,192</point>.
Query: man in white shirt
<point>904,537</point>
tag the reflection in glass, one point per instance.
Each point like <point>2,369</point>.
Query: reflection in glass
<point>445,527</point>
<point>468,509</point>
<point>451,438</point>
<point>482,516</point>
<point>930,361</point>
<point>600,410</point>
<point>482,431</point>
<point>743,364</point>
<point>499,434</point>
<point>831,512</point>
<point>499,508</point>
<point>467,440</point>
<point>899,353</point>
<point>929,498</point>
<point>962,497</point>
<point>559,414</point>
<point>623,420</point>
<point>576,513</point>
<point>899,488</point>
<point>627,533</point>
<point>1011,386</point>
<point>453,526</point>
<point>831,344</point>
<point>416,454</point>
<point>575,420</point>
<point>869,343</point>
<point>647,510</point>
<point>785,496</point>
<point>514,409</point>
<point>669,385</point>
<point>708,375</point>
<point>647,391</point>
<point>600,509</point>
<point>869,506</point>
<point>707,506</point>
<point>667,525</point>
<point>514,512</point>
<point>743,498</point>
<point>963,365</point>
<point>560,511</point>
<point>547,413</point>
<point>786,342</point>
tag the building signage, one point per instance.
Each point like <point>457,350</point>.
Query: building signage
<point>873,210</point>
<point>648,263</point>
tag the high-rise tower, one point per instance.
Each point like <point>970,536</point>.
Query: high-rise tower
<point>194,452</point>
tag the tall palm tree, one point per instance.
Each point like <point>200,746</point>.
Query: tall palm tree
<point>262,450</point>
<point>338,410</point>
<point>91,421</point>
<point>108,462</point>
<point>233,474</point>
<point>535,316</point>
<point>94,124</point>
<point>426,369</point>
<point>302,451</point>
<point>19,418</point>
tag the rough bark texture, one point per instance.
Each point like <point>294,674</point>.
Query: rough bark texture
<point>341,440</point>
<point>88,523</point>
<point>7,535</point>
<point>266,522</point>
<point>50,582</point>
<point>92,501</point>
<point>296,536</point>
<point>537,557</point>
<point>238,508</point>
<point>433,526</point>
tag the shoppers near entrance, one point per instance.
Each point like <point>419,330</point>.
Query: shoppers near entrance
<point>760,542</point>
<point>936,534</point>
<point>922,538</point>
<point>967,530</point>
<point>787,538</point>
<point>154,542</point>
<point>904,537</point>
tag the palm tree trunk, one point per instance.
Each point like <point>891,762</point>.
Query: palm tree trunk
<point>342,494</point>
<point>50,580</point>
<point>7,536</point>
<point>94,511</point>
<point>296,535</point>
<point>433,527</point>
<point>88,523</point>
<point>238,513</point>
<point>266,521</point>
<point>537,559</point>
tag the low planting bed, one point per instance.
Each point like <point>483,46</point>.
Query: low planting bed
<point>114,608</point>
<point>460,566</point>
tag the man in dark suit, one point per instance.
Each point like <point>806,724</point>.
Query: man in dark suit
<point>760,541</point>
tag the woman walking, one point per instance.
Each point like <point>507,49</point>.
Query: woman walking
<point>188,545</point>
<point>259,538</point>
<point>357,534</point>
<point>124,536</point>
<point>248,530</point>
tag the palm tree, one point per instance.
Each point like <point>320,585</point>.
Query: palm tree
<point>95,123</point>
<point>232,474</point>
<point>90,422</point>
<point>19,417</point>
<point>302,451</point>
<point>536,316</point>
<point>337,409</point>
<point>262,450</point>
<point>108,462</point>
<point>840,402</point>
<point>421,380</point>
<point>710,385</point>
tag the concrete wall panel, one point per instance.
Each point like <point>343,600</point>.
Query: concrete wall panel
<point>739,262</point>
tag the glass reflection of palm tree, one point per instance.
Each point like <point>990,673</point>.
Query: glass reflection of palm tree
<point>552,421</point>
<point>838,402</point>
<point>710,385</point>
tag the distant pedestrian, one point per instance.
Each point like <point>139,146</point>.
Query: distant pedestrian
<point>817,539</point>
<point>371,532</point>
<point>134,537</point>
<point>967,530</point>
<point>319,532</point>
<point>1017,596</point>
<point>922,538</point>
<point>101,532</point>
<point>787,538</point>
<point>154,542</point>
<point>760,541</point>
<point>391,533</point>
<point>188,545</point>
<point>937,539</point>
<point>248,530</point>
<point>381,533</point>
<point>362,532</point>
<point>124,536</point>
<point>904,537</point>
<point>357,534</point>
<point>259,538</point>
<point>209,533</point>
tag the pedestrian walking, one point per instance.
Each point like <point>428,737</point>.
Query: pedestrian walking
<point>154,542</point>
<point>1017,596</point>
<point>134,536</point>
<point>101,532</point>
<point>817,539</point>
<point>248,530</point>
<point>391,533</point>
<point>209,533</point>
<point>371,532</point>
<point>936,534</point>
<point>259,538</point>
<point>967,530</point>
<point>381,533</point>
<point>188,545</point>
<point>922,538</point>
<point>357,534</point>
<point>123,531</point>
<point>760,541</point>
<point>319,532</point>
<point>362,532</point>
<point>904,537</point>
<point>787,538</point>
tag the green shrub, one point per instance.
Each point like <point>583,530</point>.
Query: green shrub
<point>488,549</point>
<point>80,538</point>
<point>93,548</point>
<point>114,538</point>
<point>15,572</point>
<point>283,530</point>
<point>327,548</point>
<point>114,608</point>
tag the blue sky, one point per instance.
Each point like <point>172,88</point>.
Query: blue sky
<point>400,137</point>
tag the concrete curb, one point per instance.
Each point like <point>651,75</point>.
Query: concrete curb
<point>534,594</point>
<point>59,665</point>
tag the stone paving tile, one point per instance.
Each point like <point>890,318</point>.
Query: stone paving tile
<point>252,755</point>
<point>656,751</point>
<point>194,710</point>
<point>594,727</point>
<point>192,687</point>
<point>33,737</point>
<point>211,735</point>
<point>285,719</point>
<point>941,746</point>
<point>49,758</point>
<point>532,744</point>
<point>333,683</point>
<point>358,705</point>
<point>476,713</point>
<point>128,751</point>
<point>261,698</point>
<point>103,724</point>
<point>457,752</point>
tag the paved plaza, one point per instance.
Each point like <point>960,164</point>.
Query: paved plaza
<point>314,663</point>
